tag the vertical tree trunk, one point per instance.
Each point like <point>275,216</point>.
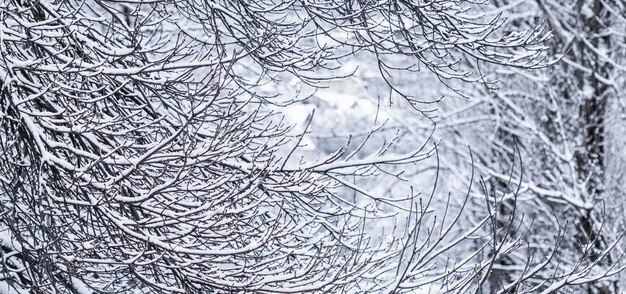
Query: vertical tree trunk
<point>591,161</point>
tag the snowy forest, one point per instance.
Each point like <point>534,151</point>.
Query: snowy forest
<point>312,146</point>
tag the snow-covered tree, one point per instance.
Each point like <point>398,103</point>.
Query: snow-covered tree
<point>141,147</point>
<point>566,122</point>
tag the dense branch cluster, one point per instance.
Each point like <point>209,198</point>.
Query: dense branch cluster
<point>139,151</point>
<point>567,121</point>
